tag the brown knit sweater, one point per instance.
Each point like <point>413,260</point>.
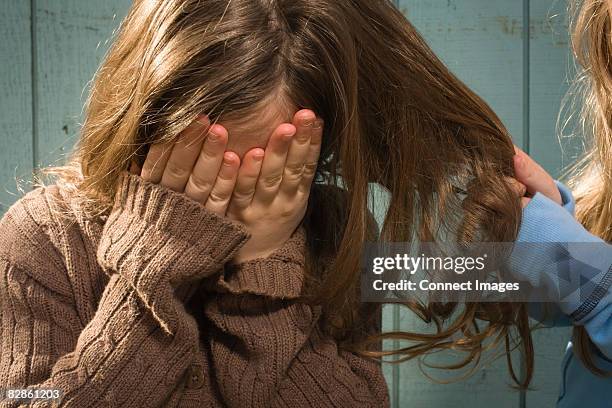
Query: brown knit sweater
<point>113,311</point>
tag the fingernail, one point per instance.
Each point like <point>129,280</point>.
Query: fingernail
<point>258,156</point>
<point>227,160</point>
<point>306,122</point>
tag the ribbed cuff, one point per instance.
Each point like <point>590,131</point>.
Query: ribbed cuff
<point>544,221</point>
<point>159,239</point>
<point>567,198</point>
<point>279,275</point>
<point>178,215</point>
<point>553,249</point>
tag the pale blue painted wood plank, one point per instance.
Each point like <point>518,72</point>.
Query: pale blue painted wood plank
<point>67,55</point>
<point>489,386</point>
<point>550,63</point>
<point>72,37</point>
<point>378,201</point>
<point>481,42</point>
<point>15,99</point>
<point>390,370</point>
<point>550,72</point>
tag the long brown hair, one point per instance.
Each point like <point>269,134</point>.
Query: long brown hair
<point>394,115</point>
<point>592,179</point>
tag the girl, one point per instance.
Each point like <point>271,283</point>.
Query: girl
<point>223,267</point>
<point>548,217</point>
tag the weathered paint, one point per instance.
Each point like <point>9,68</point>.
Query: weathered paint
<point>51,49</point>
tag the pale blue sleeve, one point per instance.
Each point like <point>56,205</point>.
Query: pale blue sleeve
<point>549,240</point>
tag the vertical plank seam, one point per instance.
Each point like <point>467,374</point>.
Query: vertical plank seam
<point>395,372</point>
<point>34,90</point>
<point>526,130</point>
<point>526,76</point>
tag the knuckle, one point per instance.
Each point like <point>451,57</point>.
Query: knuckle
<point>309,169</point>
<point>303,139</point>
<point>271,180</point>
<point>294,170</point>
<point>286,212</point>
<point>208,153</point>
<point>243,195</point>
<point>191,145</point>
<point>216,197</point>
<point>175,170</point>
<point>200,183</point>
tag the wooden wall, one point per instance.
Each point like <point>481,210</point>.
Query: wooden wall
<point>514,53</point>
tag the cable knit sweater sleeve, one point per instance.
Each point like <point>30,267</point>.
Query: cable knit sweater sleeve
<point>138,345</point>
<point>141,344</point>
<point>266,344</point>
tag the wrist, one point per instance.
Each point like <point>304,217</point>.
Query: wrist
<point>279,274</point>
<point>155,231</point>
<point>264,245</point>
<point>239,259</point>
<point>545,229</point>
<point>567,198</point>
<point>546,221</point>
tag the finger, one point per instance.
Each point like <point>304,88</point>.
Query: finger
<point>525,201</point>
<point>312,158</point>
<point>534,177</point>
<point>184,155</point>
<point>134,169</point>
<point>519,188</point>
<point>204,173</point>
<point>298,150</point>
<point>221,193</point>
<point>274,162</point>
<point>155,162</point>
<point>247,179</point>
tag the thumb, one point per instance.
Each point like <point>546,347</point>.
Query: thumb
<point>534,177</point>
<point>525,201</point>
